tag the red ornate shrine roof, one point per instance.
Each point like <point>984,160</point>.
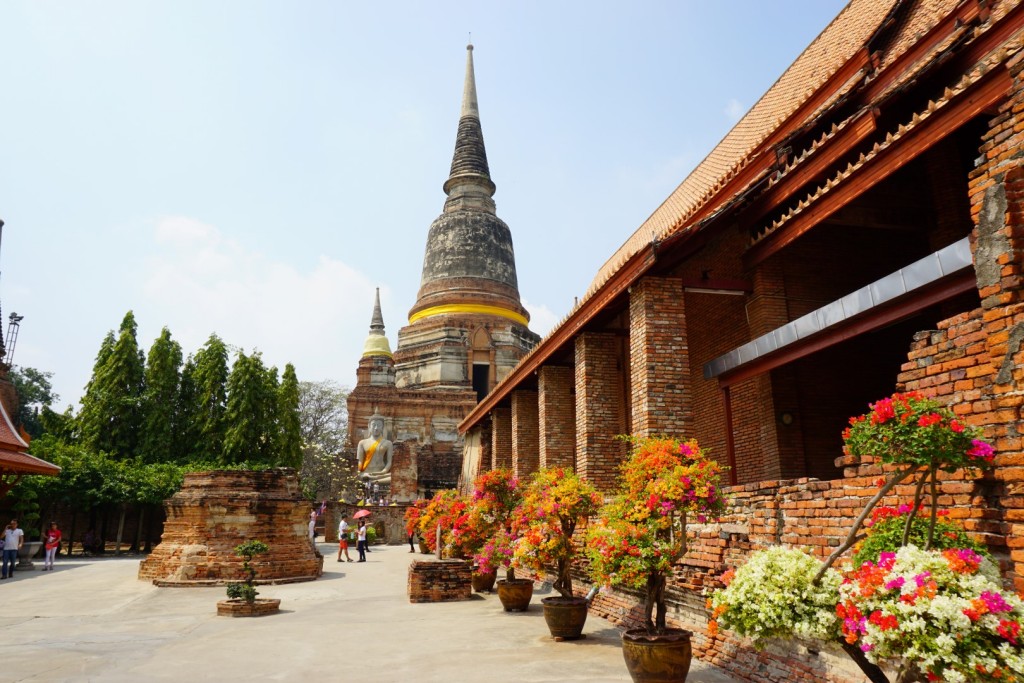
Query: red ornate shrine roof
<point>13,458</point>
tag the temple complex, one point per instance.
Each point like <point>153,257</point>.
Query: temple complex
<point>859,231</point>
<point>466,331</point>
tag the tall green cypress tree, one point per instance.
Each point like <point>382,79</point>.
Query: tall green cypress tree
<point>289,432</point>
<point>160,400</point>
<point>111,416</point>
<point>186,414</point>
<point>211,379</point>
<point>252,406</point>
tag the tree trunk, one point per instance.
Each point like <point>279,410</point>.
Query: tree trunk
<point>659,601</point>
<point>71,534</point>
<point>101,542</point>
<point>149,533</point>
<point>137,544</point>
<point>874,674</point>
<point>120,528</point>
<point>563,584</point>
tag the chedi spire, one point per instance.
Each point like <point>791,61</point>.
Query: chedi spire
<point>376,343</point>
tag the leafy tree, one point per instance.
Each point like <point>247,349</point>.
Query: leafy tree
<point>251,412</point>
<point>111,414</point>
<point>323,421</point>
<point>34,394</point>
<point>323,416</point>
<point>289,429</point>
<point>64,426</point>
<point>187,439</point>
<point>210,380</point>
<point>160,399</point>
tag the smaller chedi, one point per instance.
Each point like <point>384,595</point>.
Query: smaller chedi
<point>219,509</point>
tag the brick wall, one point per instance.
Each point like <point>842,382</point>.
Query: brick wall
<point>660,392</point>
<point>501,437</point>
<point>525,434</point>
<point>599,408</point>
<point>556,417</point>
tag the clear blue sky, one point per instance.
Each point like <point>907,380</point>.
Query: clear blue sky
<point>256,168</point>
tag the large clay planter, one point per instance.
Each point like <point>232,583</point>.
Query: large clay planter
<point>515,594</point>
<point>26,552</point>
<point>483,581</point>
<point>565,616</point>
<point>657,658</point>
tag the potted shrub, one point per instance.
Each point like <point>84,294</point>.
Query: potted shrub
<point>496,495</point>
<point>919,598</point>
<point>640,535</point>
<point>554,502</point>
<point>242,600</point>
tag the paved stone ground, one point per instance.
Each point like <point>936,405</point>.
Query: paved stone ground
<point>93,620</point>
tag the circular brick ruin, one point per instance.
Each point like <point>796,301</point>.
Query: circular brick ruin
<point>217,510</point>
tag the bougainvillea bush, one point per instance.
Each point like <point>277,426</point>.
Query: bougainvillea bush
<point>941,614</point>
<point>910,428</point>
<point>554,502</point>
<point>919,596</point>
<point>413,514</point>
<point>884,533</point>
<point>774,595</point>
<point>496,495</point>
<point>441,511</point>
<point>937,615</point>
<point>641,533</point>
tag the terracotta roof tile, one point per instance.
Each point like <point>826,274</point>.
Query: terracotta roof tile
<point>840,41</point>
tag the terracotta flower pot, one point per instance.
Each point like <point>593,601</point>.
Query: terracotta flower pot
<point>565,616</point>
<point>515,594</point>
<point>657,658</point>
<point>483,581</point>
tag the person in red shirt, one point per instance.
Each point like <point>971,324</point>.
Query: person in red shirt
<point>51,541</point>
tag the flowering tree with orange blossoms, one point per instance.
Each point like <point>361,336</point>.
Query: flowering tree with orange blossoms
<point>554,502</point>
<point>413,514</point>
<point>496,494</point>
<point>443,511</point>
<point>641,534</point>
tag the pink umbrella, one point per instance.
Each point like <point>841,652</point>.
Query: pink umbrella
<point>360,514</point>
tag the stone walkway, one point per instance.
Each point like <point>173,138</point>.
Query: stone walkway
<point>93,620</point>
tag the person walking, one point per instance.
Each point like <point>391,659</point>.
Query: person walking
<point>13,540</point>
<point>343,539</point>
<point>362,541</point>
<point>51,541</point>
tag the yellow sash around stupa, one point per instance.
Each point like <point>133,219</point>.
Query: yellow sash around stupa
<point>369,455</point>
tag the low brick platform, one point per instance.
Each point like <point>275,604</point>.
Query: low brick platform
<point>440,580</point>
<point>217,510</point>
<point>241,608</point>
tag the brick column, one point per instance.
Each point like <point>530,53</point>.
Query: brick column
<point>525,440</point>
<point>659,359</point>
<point>599,409</point>
<point>486,434</point>
<point>556,416</point>
<point>759,453</point>
<point>990,395</point>
<point>501,437</point>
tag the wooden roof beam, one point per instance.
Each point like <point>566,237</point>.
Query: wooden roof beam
<point>987,91</point>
